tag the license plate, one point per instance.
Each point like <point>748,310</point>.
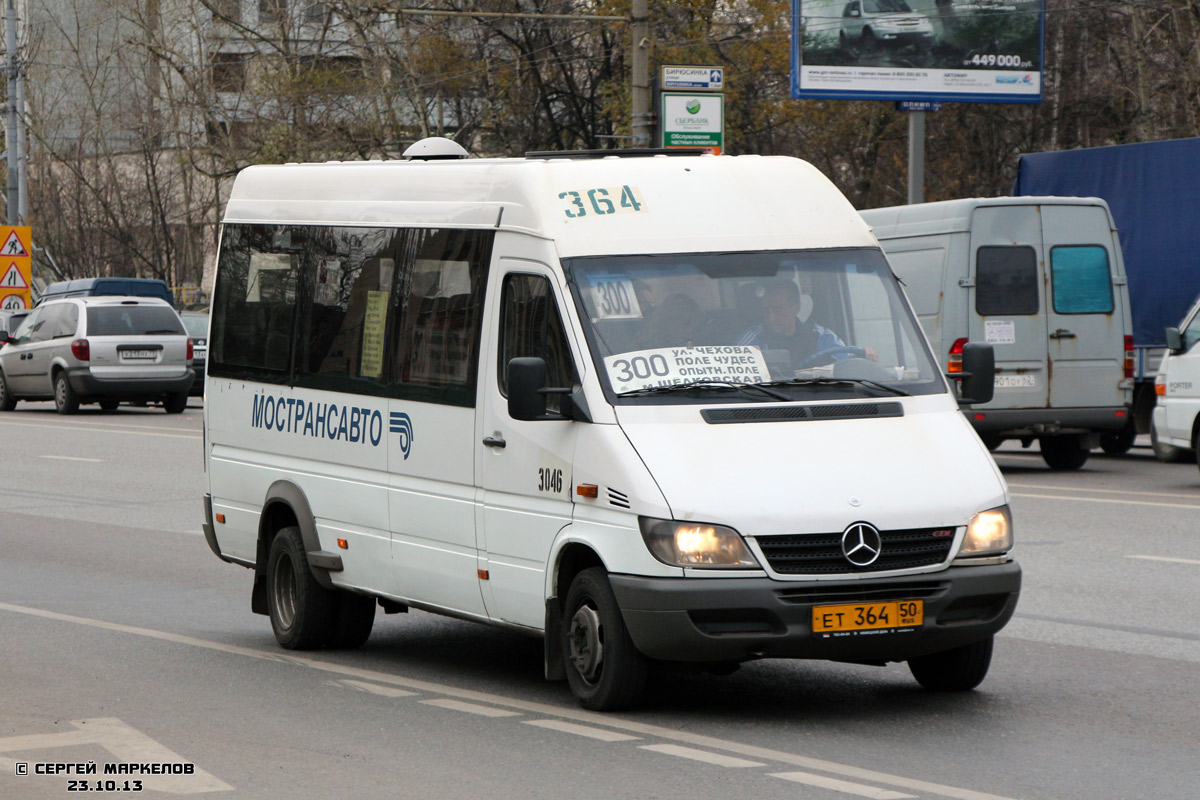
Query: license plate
<point>1026,381</point>
<point>862,617</point>
<point>139,354</point>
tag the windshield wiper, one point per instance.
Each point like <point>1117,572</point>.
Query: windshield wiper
<point>708,384</point>
<point>882,387</point>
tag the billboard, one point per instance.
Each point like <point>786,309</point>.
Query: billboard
<point>982,51</point>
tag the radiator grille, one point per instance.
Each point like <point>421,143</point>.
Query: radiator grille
<point>821,553</point>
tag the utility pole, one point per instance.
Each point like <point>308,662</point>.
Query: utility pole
<point>916,157</point>
<point>10,139</point>
<point>640,79</point>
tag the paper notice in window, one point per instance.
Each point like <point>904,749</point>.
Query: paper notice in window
<point>1000,331</point>
<point>671,366</point>
<point>374,326</point>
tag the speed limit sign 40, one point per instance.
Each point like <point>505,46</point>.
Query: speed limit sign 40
<point>13,302</point>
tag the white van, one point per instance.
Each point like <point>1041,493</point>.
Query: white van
<point>1041,279</point>
<point>541,393</point>
<point>1176,417</point>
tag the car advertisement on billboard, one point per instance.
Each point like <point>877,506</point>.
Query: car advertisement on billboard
<point>983,51</point>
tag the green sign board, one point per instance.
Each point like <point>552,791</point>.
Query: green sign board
<point>694,119</point>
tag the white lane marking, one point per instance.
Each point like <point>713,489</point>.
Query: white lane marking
<point>542,709</point>
<point>580,730</point>
<point>374,688</point>
<point>471,708</point>
<point>126,743</point>
<point>701,755</point>
<point>74,458</point>
<point>841,786</point>
<point>100,430</point>
<point>1105,500</point>
<point>1172,560</point>
<point>1104,491</point>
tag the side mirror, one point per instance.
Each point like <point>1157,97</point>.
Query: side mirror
<point>4,337</point>
<point>978,373</point>
<point>1174,340</point>
<point>854,12</point>
<point>526,379</point>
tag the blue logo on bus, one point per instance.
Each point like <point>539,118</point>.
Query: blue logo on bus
<point>401,424</point>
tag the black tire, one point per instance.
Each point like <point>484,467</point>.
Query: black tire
<point>175,403</point>
<point>109,405</point>
<point>957,670</point>
<point>65,399</point>
<point>1119,443</point>
<point>1064,452</point>
<point>991,442</point>
<point>1169,453</point>
<point>7,401</point>
<point>354,616</point>
<point>605,670</point>
<point>302,611</point>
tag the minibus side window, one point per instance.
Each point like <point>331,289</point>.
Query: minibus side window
<point>437,301</point>
<point>1191,334</point>
<point>530,325</point>
<point>1006,280</point>
<point>1081,281</point>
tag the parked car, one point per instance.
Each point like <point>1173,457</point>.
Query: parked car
<point>98,350</point>
<point>196,323</point>
<point>95,287</point>
<point>871,24</point>
<point>1175,421</point>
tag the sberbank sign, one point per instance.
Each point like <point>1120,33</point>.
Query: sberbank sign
<point>691,120</point>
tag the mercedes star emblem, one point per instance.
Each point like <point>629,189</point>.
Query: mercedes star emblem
<point>861,544</point>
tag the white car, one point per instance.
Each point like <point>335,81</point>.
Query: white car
<point>870,24</point>
<point>1174,430</point>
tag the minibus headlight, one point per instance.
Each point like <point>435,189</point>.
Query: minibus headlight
<point>695,544</point>
<point>988,533</point>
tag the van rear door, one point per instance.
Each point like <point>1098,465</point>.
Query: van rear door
<point>1005,308</point>
<point>1084,312</point>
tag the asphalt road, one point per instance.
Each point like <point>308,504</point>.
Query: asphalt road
<point>124,640</point>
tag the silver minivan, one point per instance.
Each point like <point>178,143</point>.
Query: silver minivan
<point>98,350</point>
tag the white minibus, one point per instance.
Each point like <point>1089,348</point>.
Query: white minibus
<point>654,408</point>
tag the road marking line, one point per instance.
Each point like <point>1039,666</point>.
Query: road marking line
<point>1102,491</point>
<point>859,789</point>
<point>1106,500</point>
<point>74,458</point>
<point>715,759</point>
<point>1172,560</point>
<point>471,708</point>
<point>126,743</point>
<point>374,688</point>
<point>580,730</point>
<point>542,709</point>
<point>99,430</point>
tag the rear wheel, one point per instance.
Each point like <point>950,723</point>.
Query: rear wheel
<point>605,670</point>
<point>65,399</point>
<point>7,401</point>
<point>354,616</point>
<point>957,670</point>
<point>175,403</point>
<point>1168,453</point>
<point>302,611</point>
<point>1064,452</point>
<point>109,405</point>
<point>1119,443</point>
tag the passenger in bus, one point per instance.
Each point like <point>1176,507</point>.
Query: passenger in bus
<point>785,326</point>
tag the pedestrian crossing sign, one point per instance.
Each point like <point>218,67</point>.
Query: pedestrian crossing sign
<point>16,266</point>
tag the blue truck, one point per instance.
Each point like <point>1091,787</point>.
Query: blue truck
<point>1153,192</point>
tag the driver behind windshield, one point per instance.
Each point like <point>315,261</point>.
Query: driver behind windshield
<point>786,326</point>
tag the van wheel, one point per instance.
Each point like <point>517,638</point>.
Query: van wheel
<point>109,405</point>
<point>1168,453</point>
<point>957,670</point>
<point>302,611</point>
<point>1119,443</point>
<point>7,401</point>
<point>354,616</point>
<point>175,403</point>
<point>65,399</point>
<point>1063,452</point>
<point>605,670</point>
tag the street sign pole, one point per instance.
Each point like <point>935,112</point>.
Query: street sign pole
<point>916,157</point>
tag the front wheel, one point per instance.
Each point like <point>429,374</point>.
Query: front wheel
<point>7,401</point>
<point>175,403</point>
<point>65,399</point>
<point>301,610</point>
<point>605,670</point>
<point>1063,452</point>
<point>957,670</point>
<point>1168,453</point>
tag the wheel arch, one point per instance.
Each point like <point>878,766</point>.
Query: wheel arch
<point>285,504</point>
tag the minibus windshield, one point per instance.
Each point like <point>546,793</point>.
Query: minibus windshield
<point>687,328</point>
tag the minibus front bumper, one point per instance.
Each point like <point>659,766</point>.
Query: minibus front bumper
<point>738,619</point>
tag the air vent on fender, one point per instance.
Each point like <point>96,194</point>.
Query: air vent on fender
<point>618,499</point>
